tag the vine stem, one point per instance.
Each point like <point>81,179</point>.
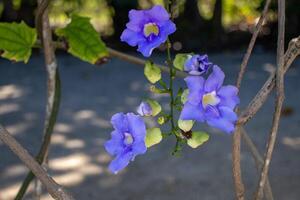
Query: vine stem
<point>53,93</point>
<point>54,189</point>
<point>279,99</point>
<point>236,144</point>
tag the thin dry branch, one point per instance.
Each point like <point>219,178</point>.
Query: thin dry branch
<point>44,32</point>
<point>54,189</point>
<point>258,161</point>
<point>291,54</point>
<point>279,99</point>
<point>236,144</point>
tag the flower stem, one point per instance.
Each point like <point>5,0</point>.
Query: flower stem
<point>169,62</point>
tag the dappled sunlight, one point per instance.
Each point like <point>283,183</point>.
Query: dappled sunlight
<point>102,123</point>
<point>10,92</point>
<point>69,179</point>
<point>9,192</point>
<point>58,139</point>
<point>74,144</point>
<point>63,128</point>
<point>293,143</point>
<point>8,108</point>
<point>14,170</point>
<point>73,161</point>
<point>18,128</point>
<point>84,115</point>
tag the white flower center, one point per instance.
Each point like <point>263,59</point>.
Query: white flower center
<point>151,28</point>
<point>210,99</point>
<point>128,140</point>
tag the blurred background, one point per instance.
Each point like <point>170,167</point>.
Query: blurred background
<point>207,24</point>
<point>92,94</point>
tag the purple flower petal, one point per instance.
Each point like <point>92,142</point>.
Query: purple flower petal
<point>226,120</point>
<point>158,13</point>
<point>131,37</point>
<point>137,127</point>
<point>215,79</point>
<point>139,148</point>
<point>228,95</point>
<point>120,162</point>
<point>228,113</point>
<point>119,122</point>
<point>192,112</point>
<point>114,146</point>
<point>222,124</point>
<point>137,20</point>
<point>195,85</point>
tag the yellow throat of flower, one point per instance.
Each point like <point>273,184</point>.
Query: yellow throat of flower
<point>128,140</point>
<point>151,28</point>
<point>210,99</point>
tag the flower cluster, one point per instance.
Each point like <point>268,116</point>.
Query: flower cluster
<point>206,99</point>
<point>209,101</point>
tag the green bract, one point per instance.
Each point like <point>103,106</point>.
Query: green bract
<point>152,72</point>
<point>184,96</point>
<point>156,108</point>
<point>153,137</point>
<point>16,41</point>
<point>83,40</point>
<point>185,125</point>
<point>197,139</point>
<point>180,60</point>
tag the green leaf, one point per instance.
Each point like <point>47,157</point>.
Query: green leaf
<point>156,107</point>
<point>153,137</point>
<point>83,40</point>
<point>184,96</point>
<point>198,138</point>
<point>152,72</point>
<point>180,60</point>
<point>16,41</point>
<point>185,125</point>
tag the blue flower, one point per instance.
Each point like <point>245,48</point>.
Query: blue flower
<point>211,102</point>
<point>144,109</point>
<point>148,29</point>
<point>127,140</point>
<point>197,64</point>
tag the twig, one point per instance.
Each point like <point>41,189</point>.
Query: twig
<point>46,140</point>
<point>53,86</point>
<point>236,144</point>
<point>54,189</point>
<point>258,161</point>
<point>122,56</point>
<point>236,164</point>
<point>279,98</point>
<point>251,44</point>
<point>292,52</point>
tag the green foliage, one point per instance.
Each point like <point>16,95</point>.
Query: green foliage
<point>84,41</point>
<point>180,60</point>
<point>197,139</point>
<point>16,41</point>
<point>156,108</point>
<point>185,125</point>
<point>152,72</point>
<point>153,136</point>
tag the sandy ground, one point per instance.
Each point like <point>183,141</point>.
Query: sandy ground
<point>90,96</point>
